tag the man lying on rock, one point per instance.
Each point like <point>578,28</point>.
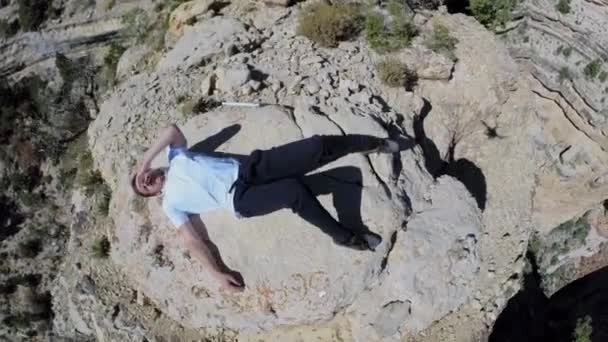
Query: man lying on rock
<point>264,182</point>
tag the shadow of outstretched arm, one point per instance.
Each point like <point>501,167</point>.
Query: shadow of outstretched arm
<point>211,143</point>
<point>201,231</point>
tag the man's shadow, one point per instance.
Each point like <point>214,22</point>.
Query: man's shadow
<point>344,183</point>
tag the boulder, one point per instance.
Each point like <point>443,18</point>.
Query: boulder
<point>130,59</point>
<point>230,79</point>
<point>205,41</point>
<point>295,275</point>
<point>184,13</point>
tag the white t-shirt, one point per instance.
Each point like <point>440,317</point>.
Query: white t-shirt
<point>196,183</point>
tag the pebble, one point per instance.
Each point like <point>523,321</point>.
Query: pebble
<point>318,60</point>
<point>230,50</point>
<point>312,87</point>
<point>247,90</point>
<point>276,85</point>
<point>255,85</point>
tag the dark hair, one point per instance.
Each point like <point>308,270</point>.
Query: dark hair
<point>134,186</point>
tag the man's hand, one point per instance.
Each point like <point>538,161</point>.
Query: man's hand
<point>230,283</point>
<point>172,136</point>
<point>198,244</point>
<point>140,178</point>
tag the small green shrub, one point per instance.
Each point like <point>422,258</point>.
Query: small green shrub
<point>603,76</point>
<point>583,330</point>
<point>396,9</point>
<point>113,56</point>
<point>7,29</point>
<point>137,24</point>
<point>581,232</point>
<point>173,4</point>
<point>564,74</point>
<point>390,35</point>
<point>109,4</point>
<point>567,51</point>
<point>87,177</point>
<point>20,321</point>
<point>66,178</point>
<point>156,38</point>
<point>31,199</point>
<point>90,181</point>
<point>441,41</point>
<point>328,24</point>
<point>492,13</point>
<point>103,200</point>
<point>394,73</point>
<point>32,13</point>
<point>100,248</point>
<point>68,69</point>
<point>563,6</point>
<point>191,107</point>
<point>593,69</point>
<point>111,61</point>
<point>85,162</point>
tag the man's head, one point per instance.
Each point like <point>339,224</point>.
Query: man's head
<point>148,183</point>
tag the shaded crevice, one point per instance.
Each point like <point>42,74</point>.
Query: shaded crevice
<point>385,107</point>
<point>383,184</point>
<point>293,118</point>
<point>458,6</point>
<point>10,218</point>
<point>318,111</point>
<point>539,318</point>
<point>463,170</point>
<point>542,15</point>
<point>384,262</point>
<point>583,98</point>
<point>523,310</point>
<point>509,29</point>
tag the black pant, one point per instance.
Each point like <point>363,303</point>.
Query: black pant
<point>271,180</point>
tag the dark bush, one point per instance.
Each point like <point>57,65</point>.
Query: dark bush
<point>32,13</point>
<point>563,6</point>
<point>390,34</point>
<point>29,248</point>
<point>593,69</point>
<point>8,29</point>
<point>395,74</point>
<point>100,248</point>
<point>328,24</point>
<point>441,41</point>
<point>492,13</point>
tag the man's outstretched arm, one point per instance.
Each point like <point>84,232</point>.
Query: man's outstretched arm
<point>171,136</point>
<point>199,248</point>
